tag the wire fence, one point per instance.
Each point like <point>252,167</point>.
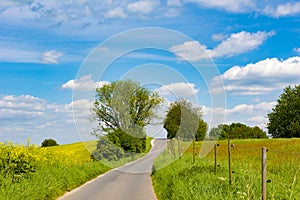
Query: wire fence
<point>276,168</point>
<point>268,168</point>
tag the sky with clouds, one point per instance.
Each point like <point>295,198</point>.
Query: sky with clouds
<point>245,52</point>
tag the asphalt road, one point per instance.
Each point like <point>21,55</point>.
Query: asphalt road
<point>131,181</point>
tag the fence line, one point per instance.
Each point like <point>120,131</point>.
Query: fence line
<point>263,150</point>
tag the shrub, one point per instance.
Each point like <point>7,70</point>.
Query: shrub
<point>107,150</point>
<point>16,162</point>
<point>49,143</point>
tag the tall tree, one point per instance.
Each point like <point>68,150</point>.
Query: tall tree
<point>122,110</point>
<point>184,121</point>
<point>284,120</point>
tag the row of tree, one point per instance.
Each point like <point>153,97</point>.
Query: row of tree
<point>123,109</point>
<point>236,131</point>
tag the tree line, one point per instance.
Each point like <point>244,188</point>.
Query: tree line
<point>123,108</point>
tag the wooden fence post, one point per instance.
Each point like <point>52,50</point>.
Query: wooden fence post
<point>215,158</point>
<point>264,173</point>
<point>229,162</point>
<point>179,153</point>
<point>194,152</point>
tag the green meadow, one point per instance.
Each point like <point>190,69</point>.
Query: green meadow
<point>184,179</point>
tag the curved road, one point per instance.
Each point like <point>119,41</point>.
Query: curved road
<point>131,181</point>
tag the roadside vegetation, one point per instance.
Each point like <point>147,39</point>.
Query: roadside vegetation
<point>30,172</point>
<point>184,179</point>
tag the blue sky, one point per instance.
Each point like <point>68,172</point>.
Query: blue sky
<point>49,48</point>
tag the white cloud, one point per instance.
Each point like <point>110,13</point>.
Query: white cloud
<point>297,50</point>
<point>261,77</point>
<point>83,83</point>
<point>282,10</point>
<point>26,102</point>
<point>219,37</point>
<point>142,7</point>
<point>235,44</point>
<point>79,104</point>
<point>174,3</point>
<point>17,55</point>
<point>51,57</point>
<point>28,116</point>
<point>191,51</point>
<point>22,107</point>
<point>228,5</point>
<point>249,114</point>
<point>178,89</point>
<point>240,42</point>
<point>115,13</point>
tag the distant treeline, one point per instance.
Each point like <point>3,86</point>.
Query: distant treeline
<point>237,131</point>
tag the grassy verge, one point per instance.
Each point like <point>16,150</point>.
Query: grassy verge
<point>52,171</point>
<point>184,180</point>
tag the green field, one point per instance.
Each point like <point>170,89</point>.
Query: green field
<point>29,172</point>
<point>47,172</point>
<point>184,180</point>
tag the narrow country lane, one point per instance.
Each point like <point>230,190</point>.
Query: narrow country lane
<point>131,181</point>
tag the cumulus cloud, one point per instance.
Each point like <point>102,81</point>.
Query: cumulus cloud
<point>191,50</point>
<point>180,89</point>
<point>218,37</point>
<point>117,12</point>
<point>228,5</point>
<point>22,107</point>
<point>282,10</point>
<point>27,102</point>
<point>235,44</point>
<point>28,116</point>
<point>142,7</point>
<point>297,50</point>
<point>83,83</point>
<point>249,114</point>
<point>240,42</point>
<point>51,57</point>
<point>259,78</point>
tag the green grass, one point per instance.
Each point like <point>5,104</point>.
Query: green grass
<point>58,169</point>
<point>184,180</point>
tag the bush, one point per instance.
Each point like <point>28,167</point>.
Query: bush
<point>16,162</point>
<point>133,141</point>
<point>49,143</point>
<point>107,150</point>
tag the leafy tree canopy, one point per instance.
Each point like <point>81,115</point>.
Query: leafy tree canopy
<point>236,131</point>
<point>184,121</point>
<point>122,110</point>
<point>284,120</point>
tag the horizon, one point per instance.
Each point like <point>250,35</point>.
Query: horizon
<point>250,48</point>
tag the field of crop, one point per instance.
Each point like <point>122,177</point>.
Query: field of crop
<point>184,180</point>
<point>30,172</point>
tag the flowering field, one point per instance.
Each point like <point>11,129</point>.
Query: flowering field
<point>184,180</point>
<point>30,172</point>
